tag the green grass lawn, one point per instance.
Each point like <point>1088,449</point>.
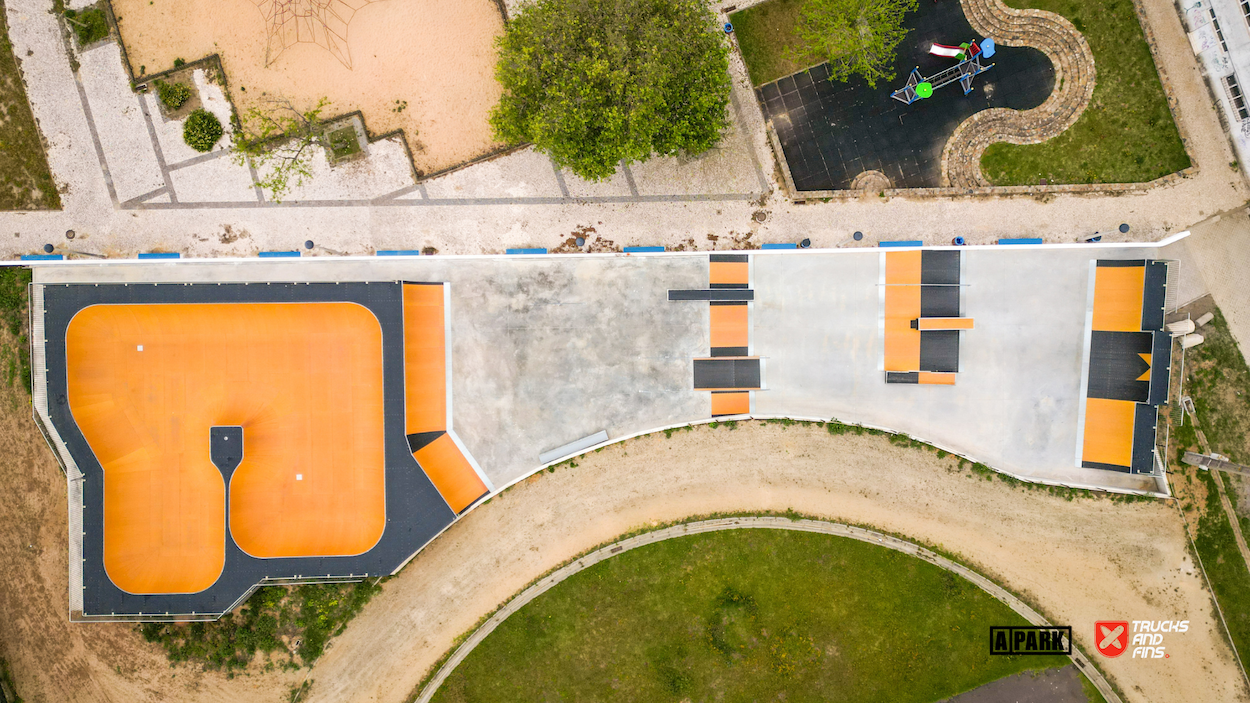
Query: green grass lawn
<point>746,615</point>
<point>15,358</point>
<point>25,181</point>
<point>1126,135</point>
<point>767,33</point>
<point>1217,379</point>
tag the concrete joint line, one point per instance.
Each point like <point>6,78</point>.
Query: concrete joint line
<point>837,529</point>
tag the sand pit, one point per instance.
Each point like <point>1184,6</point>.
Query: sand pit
<point>434,56</point>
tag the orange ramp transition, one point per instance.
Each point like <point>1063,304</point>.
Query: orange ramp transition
<point>1129,365</point>
<point>233,433</point>
<point>303,380</point>
<point>425,387</point>
<point>921,317</point>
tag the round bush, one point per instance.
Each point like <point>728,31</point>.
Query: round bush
<point>174,95</point>
<point>202,130</point>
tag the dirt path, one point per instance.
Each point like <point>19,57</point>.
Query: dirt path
<point>1080,560</point>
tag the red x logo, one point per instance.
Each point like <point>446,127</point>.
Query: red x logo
<point>1111,637</point>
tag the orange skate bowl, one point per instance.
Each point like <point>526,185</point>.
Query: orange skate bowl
<point>304,380</point>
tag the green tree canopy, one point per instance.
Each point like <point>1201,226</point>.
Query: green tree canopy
<point>592,82</point>
<point>856,37</point>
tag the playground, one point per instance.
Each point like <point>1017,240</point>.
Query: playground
<point>832,132</point>
<point>422,66</point>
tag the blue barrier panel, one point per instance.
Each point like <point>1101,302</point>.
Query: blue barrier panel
<point>902,243</point>
<point>160,255</point>
<point>534,250</point>
<point>641,250</point>
<point>1023,240</point>
<point>42,257</point>
<point>778,245</point>
<point>398,252</point>
<point>276,254</point>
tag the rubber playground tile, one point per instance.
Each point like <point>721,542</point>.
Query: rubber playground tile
<point>856,128</point>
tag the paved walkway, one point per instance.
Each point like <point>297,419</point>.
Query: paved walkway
<point>519,200</point>
<point>553,579</point>
<point>1074,85</point>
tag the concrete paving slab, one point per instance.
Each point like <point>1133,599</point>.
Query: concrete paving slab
<point>214,180</point>
<point>525,173</point>
<point>726,169</point>
<point>120,123</point>
<point>385,168</point>
<point>169,132</point>
<point>1015,404</point>
<point>1220,246</point>
<point>617,185</point>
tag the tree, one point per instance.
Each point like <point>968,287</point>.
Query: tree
<point>592,82</point>
<point>281,139</point>
<point>856,37</point>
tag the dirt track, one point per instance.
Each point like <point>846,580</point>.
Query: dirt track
<point>1080,561</point>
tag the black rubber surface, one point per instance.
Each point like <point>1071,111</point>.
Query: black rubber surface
<point>415,512</point>
<point>722,294</point>
<point>1115,365</point>
<point>225,449</point>
<point>831,132</point>
<point>726,373</point>
<point>939,267</point>
<point>939,351</point>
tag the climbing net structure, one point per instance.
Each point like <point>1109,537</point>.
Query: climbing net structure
<point>320,22</point>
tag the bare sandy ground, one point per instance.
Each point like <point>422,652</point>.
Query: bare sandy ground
<point>51,659</point>
<point>437,55</point>
<point>1080,561</point>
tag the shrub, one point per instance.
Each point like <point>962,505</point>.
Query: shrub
<point>90,25</point>
<point>174,95</point>
<point>202,130</point>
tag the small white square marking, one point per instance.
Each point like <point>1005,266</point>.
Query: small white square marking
<point>299,477</point>
<point>140,347</point>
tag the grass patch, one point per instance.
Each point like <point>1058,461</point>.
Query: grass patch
<point>343,143</point>
<point>767,35</point>
<point>25,181</point>
<point>746,615</point>
<point>6,682</point>
<point>285,623</point>
<point>1126,134</point>
<point>1226,570</point>
<point>15,359</point>
<point>1219,382</point>
<point>1217,379</point>
<point>89,25</point>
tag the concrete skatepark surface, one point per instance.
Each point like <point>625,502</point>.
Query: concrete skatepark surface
<point>549,350</point>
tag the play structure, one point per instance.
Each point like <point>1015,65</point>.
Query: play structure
<point>969,55</point>
<point>320,22</point>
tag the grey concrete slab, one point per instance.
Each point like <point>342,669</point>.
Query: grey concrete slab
<point>1015,406</point>
<point>547,350</point>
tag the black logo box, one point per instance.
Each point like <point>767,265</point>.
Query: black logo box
<point>1054,639</point>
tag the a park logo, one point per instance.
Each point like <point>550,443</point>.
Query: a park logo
<point>1111,637</point>
<point>1056,639</point>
